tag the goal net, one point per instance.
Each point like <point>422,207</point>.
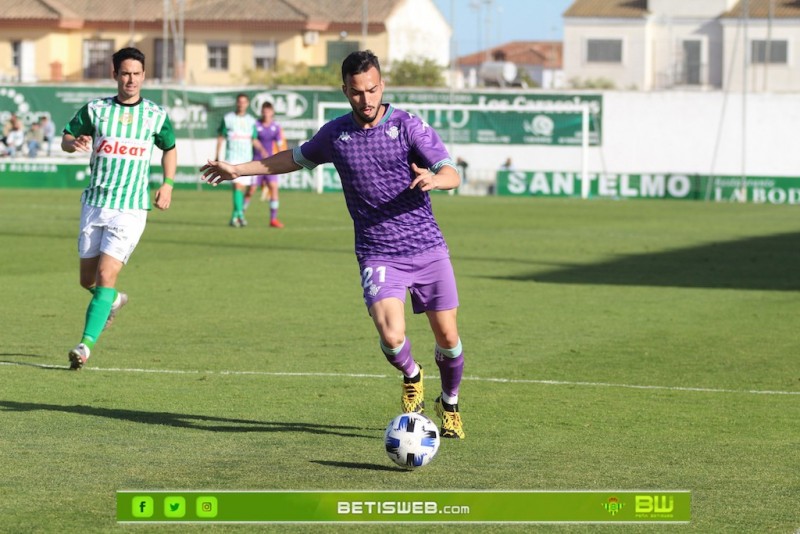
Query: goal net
<point>493,136</point>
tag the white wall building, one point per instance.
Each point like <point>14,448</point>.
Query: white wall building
<point>416,29</point>
<point>664,44</point>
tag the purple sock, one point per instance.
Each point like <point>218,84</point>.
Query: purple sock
<point>450,370</point>
<point>403,360</point>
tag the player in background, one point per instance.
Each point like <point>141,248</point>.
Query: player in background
<point>388,161</point>
<point>237,131</point>
<point>120,132</point>
<point>270,134</point>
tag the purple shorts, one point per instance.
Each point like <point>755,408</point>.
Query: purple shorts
<point>428,278</point>
<point>265,179</point>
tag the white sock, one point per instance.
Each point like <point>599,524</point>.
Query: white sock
<point>448,399</point>
<point>416,371</point>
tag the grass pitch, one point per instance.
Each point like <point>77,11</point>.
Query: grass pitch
<point>609,345</point>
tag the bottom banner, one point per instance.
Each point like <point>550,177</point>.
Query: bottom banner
<point>641,506</point>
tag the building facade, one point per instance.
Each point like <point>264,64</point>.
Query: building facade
<point>210,42</point>
<point>688,44</point>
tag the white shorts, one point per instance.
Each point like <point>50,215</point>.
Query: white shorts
<point>246,181</point>
<point>110,231</point>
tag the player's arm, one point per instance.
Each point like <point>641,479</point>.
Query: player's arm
<point>442,176</point>
<point>257,144</point>
<point>220,140</point>
<point>215,172</point>
<point>70,143</point>
<point>76,136</point>
<point>169,162</point>
<point>258,148</point>
<point>439,171</point>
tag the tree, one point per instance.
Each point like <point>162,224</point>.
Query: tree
<point>410,73</point>
<point>300,74</point>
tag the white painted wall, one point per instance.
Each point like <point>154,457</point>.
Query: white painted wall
<point>630,73</point>
<point>418,30</point>
<point>667,36</point>
<point>650,132</point>
<point>652,47</point>
<point>670,132</point>
<point>785,77</point>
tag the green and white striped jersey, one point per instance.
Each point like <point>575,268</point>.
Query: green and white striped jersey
<point>239,132</point>
<point>123,138</point>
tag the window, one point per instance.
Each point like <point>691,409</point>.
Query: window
<point>97,59</point>
<point>158,60</point>
<point>16,53</point>
<point>692,62</point>
<point>218,56</point>
<point>265,55</point>
<point>338,50</point>
<point>604,51</point>
<point>769,51</point>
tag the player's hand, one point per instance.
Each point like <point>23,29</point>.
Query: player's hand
<point>216,172</point>
<point>164,197</point>
<point>82,143</point>
<point>425,180</point>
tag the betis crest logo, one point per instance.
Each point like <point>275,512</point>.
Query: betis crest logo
<point>613,506</point>
<point>126,119</point>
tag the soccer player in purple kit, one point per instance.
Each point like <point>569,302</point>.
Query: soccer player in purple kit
<point>271,136</point>
<point>388,161</point>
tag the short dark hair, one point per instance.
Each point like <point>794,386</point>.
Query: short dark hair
<point>127,53</point>
<point>267,105</point>
<point>359,62</point>
<point>242,95</point>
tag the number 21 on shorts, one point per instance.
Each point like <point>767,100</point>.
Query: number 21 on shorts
<point>367,274</point>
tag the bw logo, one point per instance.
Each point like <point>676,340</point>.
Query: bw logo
<point>659,504</point>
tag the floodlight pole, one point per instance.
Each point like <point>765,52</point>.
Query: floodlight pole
<point>585,185</point>
<point>745,14</point>
<point>364,23</point>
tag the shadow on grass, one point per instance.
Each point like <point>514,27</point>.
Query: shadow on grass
<point>358,465</point>
<point>196,422</point>
<point>757,263</point>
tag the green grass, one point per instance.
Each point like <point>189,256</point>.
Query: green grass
<point>229,368</point>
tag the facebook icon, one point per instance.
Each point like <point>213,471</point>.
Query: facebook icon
<point>142,506</point>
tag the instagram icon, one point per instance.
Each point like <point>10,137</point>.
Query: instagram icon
<point>206,507</point>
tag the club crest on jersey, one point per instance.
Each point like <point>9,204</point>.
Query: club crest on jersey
<point>344,136</point>
<point>393,132</point>
<point>126,119</point>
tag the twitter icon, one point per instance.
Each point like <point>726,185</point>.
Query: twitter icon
<point>174,507</point>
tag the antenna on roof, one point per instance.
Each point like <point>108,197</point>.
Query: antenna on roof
<point>132,25</point>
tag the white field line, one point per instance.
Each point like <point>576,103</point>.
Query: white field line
<point>365,375</point>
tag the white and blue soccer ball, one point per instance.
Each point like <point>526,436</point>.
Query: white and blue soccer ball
<point>411,440</point>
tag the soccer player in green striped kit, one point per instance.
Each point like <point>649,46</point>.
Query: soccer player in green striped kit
<point>120,133</point>
<point>238,133</point>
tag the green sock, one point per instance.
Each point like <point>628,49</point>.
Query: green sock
<point>238,203</point>
<point>97,314</point>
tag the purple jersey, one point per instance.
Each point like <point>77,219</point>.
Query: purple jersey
<point>271,138</point>
<point>374,165</point>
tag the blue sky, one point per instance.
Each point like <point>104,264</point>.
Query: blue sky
<point>504,20</point>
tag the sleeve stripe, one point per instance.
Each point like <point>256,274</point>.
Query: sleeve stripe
<point>449,162</point>
<point>300,159</point>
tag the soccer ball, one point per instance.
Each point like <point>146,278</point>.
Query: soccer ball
<point>411,440</point>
